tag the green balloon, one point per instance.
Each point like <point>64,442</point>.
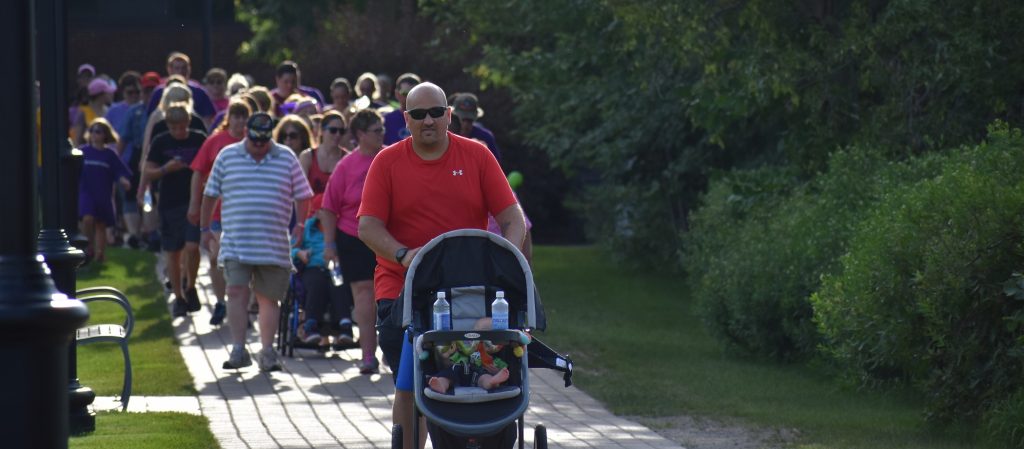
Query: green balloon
<point>515,179</point>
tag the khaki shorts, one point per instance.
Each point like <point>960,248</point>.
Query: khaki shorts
<point>270,281</point>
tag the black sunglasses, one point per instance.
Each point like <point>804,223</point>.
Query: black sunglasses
<point>335,130</point>
<point>420,114</point>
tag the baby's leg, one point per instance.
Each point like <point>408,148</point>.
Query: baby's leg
<point>489,381</point>
<point>439,384</point>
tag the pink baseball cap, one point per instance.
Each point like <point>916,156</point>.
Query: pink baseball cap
<point>87,67</point>
<point>100,85</point>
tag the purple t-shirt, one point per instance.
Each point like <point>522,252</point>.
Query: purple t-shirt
<point>101,168</point>
<point>394,127</point>
<point>200,100</point>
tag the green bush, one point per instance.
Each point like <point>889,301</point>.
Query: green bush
<point>922,295</point>
<point>758,247</point>
<point>1004,423</point>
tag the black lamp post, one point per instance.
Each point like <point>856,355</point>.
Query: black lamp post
<point>61,170</point>
<point>36,321</point>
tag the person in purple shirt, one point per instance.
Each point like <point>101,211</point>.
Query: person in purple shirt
<point>179,63</point>
<point>101,169</point>
<point>288,80</point>
<point>394,121</point>
<point>467,108</point>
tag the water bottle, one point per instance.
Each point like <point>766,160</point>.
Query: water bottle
<point>147,202</point>
<point>499,311</point>
<point>442,313</point>
<point>335,269</point>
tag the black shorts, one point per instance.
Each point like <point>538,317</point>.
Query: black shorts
<point>175,229</point>
<point>356,259</point>
<point>389,335</point>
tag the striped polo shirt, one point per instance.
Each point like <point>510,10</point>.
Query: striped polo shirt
<point>256,203</point>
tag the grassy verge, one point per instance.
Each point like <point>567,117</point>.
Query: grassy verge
<point>146,431</point>
<point>158,369</point>
<point>640,349</point>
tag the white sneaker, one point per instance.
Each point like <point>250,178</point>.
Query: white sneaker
<point>267,360</point>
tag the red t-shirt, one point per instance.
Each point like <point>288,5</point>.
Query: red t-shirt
<point>418,200</point>
<point>203,162</point>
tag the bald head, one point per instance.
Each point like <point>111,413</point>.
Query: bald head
<point>426,95</point>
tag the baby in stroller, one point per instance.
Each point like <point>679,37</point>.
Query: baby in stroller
<point>470,364</point>
<point>322,296</point>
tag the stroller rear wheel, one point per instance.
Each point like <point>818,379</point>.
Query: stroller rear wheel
<point>540,437</point>
<point>396,436</point>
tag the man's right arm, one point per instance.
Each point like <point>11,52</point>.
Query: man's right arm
<point>376,236</point>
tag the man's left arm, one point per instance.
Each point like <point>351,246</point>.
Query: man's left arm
<point>513,225</point>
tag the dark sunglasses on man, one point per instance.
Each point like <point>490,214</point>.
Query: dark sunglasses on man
<point>420,114</point>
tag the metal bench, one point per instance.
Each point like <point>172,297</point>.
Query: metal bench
<point>112,333</point>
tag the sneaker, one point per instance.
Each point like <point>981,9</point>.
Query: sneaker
<point>219,311</point>
<point>239,358</point>
<point>179,308</point>
<point>344,339</point>
<point>312,336</point>
<point>371,366</point>
<point>267,360</point>
<point>192,296</point>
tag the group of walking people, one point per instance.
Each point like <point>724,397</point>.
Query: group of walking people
<point>270,180</point>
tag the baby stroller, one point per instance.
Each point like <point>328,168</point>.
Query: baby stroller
<point>470,266</point>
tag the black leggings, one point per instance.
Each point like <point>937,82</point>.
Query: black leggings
<point>323,297</point>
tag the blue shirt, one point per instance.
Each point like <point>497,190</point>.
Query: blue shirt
<point>313,240</point>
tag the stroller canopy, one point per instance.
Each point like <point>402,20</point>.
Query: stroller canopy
<point>471,257</point>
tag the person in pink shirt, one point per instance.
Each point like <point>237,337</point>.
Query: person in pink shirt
<point>341,228</point>
<point>230,131</point>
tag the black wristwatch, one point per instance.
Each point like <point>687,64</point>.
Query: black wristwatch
<point>400,254</point>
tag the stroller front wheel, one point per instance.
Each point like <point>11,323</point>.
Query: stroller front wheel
<point>540,437</point>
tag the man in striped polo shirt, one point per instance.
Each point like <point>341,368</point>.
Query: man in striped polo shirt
<point>257,181</point>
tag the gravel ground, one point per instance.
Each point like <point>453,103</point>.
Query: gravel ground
<point>701,433</point>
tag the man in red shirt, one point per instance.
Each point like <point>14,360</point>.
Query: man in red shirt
<point>417,189</point>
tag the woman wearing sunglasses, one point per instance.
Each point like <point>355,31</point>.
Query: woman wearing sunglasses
<point>293,132</point>
<point>341,228</point>
<point>318,163</point>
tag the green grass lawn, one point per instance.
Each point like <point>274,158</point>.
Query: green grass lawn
<point>147,431</point>
<point>640,349</point>
<point>158,369</point>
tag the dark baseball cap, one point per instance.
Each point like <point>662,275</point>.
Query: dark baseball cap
<point>260,127</point>
<point>466,106</point>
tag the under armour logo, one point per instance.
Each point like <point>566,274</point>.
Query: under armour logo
<point>456,172</point>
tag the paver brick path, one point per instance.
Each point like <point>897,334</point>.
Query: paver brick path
<point>321,400</point>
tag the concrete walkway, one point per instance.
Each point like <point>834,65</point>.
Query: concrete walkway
<point>321,400</point>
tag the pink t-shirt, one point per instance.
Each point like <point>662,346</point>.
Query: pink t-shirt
<point>345,190</point>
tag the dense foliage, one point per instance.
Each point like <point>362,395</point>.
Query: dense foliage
<point>653,96</point>
<point>928,292</point>
<point>761,241</point>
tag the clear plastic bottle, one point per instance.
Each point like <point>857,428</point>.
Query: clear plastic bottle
<point>147,202</point>
<point>335,269</point>
<point>442,313</point>
<point>499,311</point>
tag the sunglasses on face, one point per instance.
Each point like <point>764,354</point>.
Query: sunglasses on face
<point>420,114</point>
